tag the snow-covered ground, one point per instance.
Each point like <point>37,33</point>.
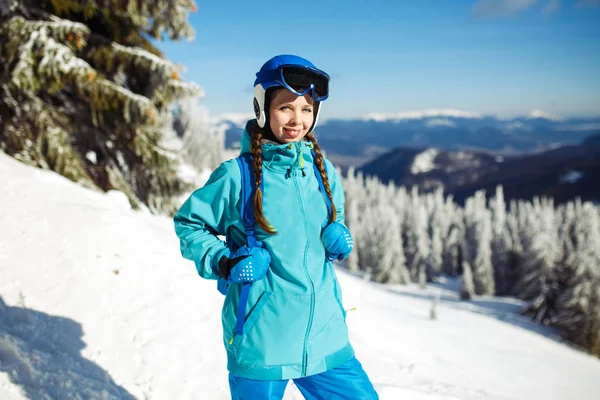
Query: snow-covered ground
<point>96,302</point>
<point>424,162</point>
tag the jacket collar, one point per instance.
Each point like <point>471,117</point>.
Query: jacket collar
<point>290,159</point>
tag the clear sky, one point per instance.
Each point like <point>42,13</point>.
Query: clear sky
<point>502,57</point>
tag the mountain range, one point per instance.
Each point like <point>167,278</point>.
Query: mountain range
<point>563,173</point>
<point>358,141</point>
<point>530,155</point>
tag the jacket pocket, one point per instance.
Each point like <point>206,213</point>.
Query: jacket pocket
<point>328,310</point>
<point>274,331</point>
<point>337,291</point>
<point>329,332</point>
<point>254,313</point>
<point>229,315</point>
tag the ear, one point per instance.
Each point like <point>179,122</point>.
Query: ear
<point>259,105</point>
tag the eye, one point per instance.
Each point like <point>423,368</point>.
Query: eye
<point>307,110</point>
<point>284,108</point>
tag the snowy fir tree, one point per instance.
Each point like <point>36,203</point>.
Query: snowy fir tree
<point>537,281</point>
<point>503,270</point>
<point>417,236</point>
<point>453,238</point>
<point>477,251</point>
<point>514,250</point>
<point>355,195</point>
<point>82,91</point>
<point>452,257</point>
<point>390,267</point>
<point>467,287</point>
<point>203,145</point>
<point>578,303</point>
<point>438,227</point>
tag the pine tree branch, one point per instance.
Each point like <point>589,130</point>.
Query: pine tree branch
<point>112,57</point>
<point>40,137</point>
<point>176,89</point>
<point>62,30</point>
<point>153,17</point>
<point>108,96</point>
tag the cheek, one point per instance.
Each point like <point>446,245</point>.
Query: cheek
<point>308,120</point>
<point>274,121</point>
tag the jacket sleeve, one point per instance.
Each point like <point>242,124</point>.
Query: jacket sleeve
<point>337,191</point>
<point>208,212</point>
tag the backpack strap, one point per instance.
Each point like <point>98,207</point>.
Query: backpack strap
<point>248,190</point>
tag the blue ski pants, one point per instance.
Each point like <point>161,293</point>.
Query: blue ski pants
<point>346,382</point>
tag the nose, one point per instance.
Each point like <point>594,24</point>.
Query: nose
<point>296,118</point>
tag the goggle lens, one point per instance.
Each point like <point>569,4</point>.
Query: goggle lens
<point>300,80</point>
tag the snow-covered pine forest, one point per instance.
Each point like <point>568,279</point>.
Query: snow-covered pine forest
<point>545,254</point>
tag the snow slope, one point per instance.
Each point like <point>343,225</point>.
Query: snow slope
<point>96,302</point>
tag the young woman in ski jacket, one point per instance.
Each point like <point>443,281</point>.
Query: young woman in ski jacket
<point>283,316</point>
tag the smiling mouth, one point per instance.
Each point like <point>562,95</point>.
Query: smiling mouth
<point>292,132</point>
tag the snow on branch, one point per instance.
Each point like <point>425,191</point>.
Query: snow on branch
<point>176,89</point>
<point>57,66</point>
<point>170,16</point>
<point>135,55</point>
<point>57,28</point>
<point>107,95</point>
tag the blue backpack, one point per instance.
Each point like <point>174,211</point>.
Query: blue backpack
<point>245,162</point>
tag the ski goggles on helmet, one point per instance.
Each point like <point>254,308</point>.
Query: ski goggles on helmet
<point>303,79</point>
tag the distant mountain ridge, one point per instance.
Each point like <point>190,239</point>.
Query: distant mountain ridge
<point>562,173</point>
<point>357,141</point>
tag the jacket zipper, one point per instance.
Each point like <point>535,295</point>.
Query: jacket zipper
<point>312,285</point>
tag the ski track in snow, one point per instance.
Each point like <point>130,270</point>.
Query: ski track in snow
<point>97,303</point>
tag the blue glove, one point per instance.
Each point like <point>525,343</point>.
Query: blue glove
<point>247,264</point>
<point>337,240</point>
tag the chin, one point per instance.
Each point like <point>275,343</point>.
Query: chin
<point>287,139</point>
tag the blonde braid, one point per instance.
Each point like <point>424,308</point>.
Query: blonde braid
<point>321,166</point>
<point>256,137</point>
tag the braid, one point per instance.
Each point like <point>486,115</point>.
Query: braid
<point>256,136</point>
<point>321,166</point>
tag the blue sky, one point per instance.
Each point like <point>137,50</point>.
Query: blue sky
<point>502,57</point>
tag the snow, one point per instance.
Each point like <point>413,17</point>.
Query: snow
<point>424,162</point>
<point>543,115</point>
<point>516,126</point>
<point>238,119</point>
<point>92,156</point>
<point>439,122</point>
<point>406,115</point>
<point>96,302</point>
<point>571,177</point>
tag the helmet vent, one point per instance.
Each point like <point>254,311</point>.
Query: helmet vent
<point>256,108</point>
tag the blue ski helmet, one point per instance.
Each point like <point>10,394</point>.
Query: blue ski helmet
<point>296,74</point>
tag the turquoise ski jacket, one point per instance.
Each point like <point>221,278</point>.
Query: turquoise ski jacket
<point>295,323</point>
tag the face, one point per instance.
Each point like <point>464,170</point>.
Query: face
<point>291,116</point>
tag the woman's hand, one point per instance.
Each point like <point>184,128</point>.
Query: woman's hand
<point>337,240</point>
<point>247,264</point>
